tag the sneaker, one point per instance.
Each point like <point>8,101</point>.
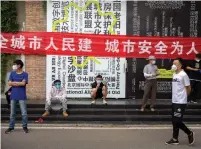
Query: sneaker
<point>152,109</point>
<point>45,114</point>
<point>193,101</point>
<point>40,120</point>
<point>142,109</point>
<point>104,102</point>
<point>93,102</point>
<point>172,142</point>
<point>191,138</point>
<point>26,130</point>
<point>9,130</point>
<point>65,114</point>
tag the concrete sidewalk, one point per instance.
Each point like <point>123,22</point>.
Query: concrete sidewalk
<point>95,138</point>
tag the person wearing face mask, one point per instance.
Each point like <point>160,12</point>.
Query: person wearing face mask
<point>180,90</point>
<point>194,69</point>
<point>99,90</point>
<point>57,93</point>
<point>18,80</point>
<point>150,73</point>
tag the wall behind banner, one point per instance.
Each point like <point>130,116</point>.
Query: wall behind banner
<point>139,18</point>
<point>77,80</point>
<point>154,18</point>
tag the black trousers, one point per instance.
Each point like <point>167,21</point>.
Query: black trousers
<point>195,88</point>
<point>178,111</point>
<point>8,100</point>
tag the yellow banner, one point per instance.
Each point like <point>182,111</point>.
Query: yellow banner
<point>165,74</point>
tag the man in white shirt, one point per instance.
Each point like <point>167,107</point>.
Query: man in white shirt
<point>180,90</point>
<point>150,72</point>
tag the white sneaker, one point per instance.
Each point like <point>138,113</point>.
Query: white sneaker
<point>193,101</point>
<point>104,102</point>
<point>93,102</point>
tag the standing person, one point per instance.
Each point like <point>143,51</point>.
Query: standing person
<point>8,93</point>
<point>180,90</point>
<point>18,80</point>
<point>195,77</point>
<point>57,93</point>
<point>150,72</point>
<point>99,90</point>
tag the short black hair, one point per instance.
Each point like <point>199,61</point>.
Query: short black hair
<point>180,60</point>
<point>19,62</point>
<point>57,81</point>
<point>99,76</point>
<point>198,55</point>
<point>183,66</point>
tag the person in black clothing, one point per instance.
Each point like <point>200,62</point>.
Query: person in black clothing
<point>194,69</point>
<point>99,90</point>
<point>7,93</point>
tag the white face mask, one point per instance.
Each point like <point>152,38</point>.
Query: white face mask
<point>14,67</point>
<point>98,81</point>
<point>153,62</point>
<point>174,67</point>
<point>197,60</point>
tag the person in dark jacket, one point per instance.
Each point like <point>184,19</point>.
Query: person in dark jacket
<point>194,69</point>
<point>7,93</point>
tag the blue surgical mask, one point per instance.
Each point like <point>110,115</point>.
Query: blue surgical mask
<point>58,86</point>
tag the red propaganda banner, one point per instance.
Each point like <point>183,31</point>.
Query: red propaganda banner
<point>52,43</point>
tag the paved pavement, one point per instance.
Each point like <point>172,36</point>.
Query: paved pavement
<point>95,138</point>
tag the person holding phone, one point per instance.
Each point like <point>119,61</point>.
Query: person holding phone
<point>99,90</point>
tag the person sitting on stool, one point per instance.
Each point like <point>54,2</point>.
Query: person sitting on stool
<point>99,90</point>
<point>57,93</point>
<point>8,93</point>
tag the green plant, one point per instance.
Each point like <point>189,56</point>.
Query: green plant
<point>45,6</point>
<point>8,24</point>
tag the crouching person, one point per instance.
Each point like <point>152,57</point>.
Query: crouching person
<point>99,90</point>
<point>57,93</point>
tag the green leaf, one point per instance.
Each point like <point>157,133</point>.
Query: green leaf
<point>8,24</point>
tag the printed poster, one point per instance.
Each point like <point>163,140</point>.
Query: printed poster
<point>78,72</point>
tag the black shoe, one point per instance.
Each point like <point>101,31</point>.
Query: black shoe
<point>191,138</point>
<point>172,142</point>
<point>9,130</point>
<point>26,130</point>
